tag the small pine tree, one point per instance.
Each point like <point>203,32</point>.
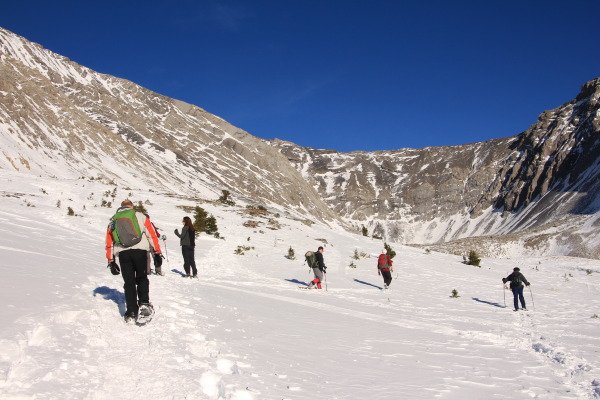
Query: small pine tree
<point>389,251</point>
<point>200,216</point>
<point>365,232</point>
<point>224,199</point>
<point>356,255</point>
<point>70,211</point>
<point>473,259</point>
<point>140,208</point>
<point>291,253</point>
<point>211,225</point>
<point>454,293</point>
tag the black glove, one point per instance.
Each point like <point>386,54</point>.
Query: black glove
<point>527,284</point>
<point>114,268</point>
<point>503,280</point>
<point>158,257</point>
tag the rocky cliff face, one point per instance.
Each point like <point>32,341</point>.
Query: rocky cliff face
<point>538,189</point>
<point>58,117</point>
<point>440,194</point>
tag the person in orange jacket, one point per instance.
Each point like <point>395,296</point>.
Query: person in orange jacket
<point>133,262</point>
<point>384,266</point>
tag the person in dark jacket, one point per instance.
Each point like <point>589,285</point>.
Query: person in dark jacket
<point>318,269</point>
<point>187,240</point>
<point>517,280</point>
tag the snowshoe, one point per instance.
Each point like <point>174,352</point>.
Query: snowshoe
<point>146,314</point>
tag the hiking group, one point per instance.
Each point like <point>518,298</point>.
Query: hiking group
<point>125,240</point>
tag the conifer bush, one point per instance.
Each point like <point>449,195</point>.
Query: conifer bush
<point>291,253</point>
<point>473,259</point>
<point>389,251</point>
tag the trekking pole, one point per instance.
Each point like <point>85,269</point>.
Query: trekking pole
<point>164,238</point>
<point>532,302</point>
<point>504,292</point>
<point>325,274</point>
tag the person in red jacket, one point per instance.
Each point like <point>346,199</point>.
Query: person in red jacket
<point>384,266</point>
<point>133,262</point>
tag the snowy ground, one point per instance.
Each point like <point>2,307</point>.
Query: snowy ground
<point>245,331</point>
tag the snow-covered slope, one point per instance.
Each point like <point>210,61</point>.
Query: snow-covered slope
<point>58,117</point>
<point>245,331</point>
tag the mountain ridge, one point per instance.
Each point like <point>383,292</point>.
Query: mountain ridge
<point>58,117</point>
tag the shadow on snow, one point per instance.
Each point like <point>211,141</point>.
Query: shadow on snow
<point>488,302</point>
<point>368,284</point>
<point>297,281</point>
<point>112,294</point>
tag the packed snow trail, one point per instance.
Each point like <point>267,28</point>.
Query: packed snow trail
<point>244,331</point>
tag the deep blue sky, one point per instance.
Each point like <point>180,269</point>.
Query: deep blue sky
<point>337,74</point>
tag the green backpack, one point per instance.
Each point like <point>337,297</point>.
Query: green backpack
<point>125,228</point>
<point>311,258</point>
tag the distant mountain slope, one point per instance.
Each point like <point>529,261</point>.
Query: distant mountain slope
<point>59,118</point>
<point>501,186</point>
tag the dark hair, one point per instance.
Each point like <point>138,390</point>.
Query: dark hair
<point>516,269</point>
<point>320,248</point>
<point>188,223</point>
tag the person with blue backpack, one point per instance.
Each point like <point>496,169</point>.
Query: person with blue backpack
<point>130,236</point>
<point>517,279</point>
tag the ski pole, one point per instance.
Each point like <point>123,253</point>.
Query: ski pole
<point>164,238</point>
<point>325,274</point>
<point>532,302</point>
<point>504,292</point>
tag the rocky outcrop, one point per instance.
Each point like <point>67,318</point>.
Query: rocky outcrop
<point>58,117</point>
<point>440,194</point>
<point>541,186</point>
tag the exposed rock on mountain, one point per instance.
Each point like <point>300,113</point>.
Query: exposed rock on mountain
<point>439,194</point>
<point>58,117</point>
<point>541,186</point>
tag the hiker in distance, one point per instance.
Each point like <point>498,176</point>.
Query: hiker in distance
<point>517,280</point>
<point>187,240</point>
<point>319,269</point>
<point>384,265</point>
<point>130,236</point>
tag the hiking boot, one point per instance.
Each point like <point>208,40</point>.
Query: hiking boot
<point>195,276</point>
<point>146,309</point>
<point>130,317</point>
<point>185,276</point>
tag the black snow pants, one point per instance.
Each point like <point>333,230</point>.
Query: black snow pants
<point>137,286</point>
